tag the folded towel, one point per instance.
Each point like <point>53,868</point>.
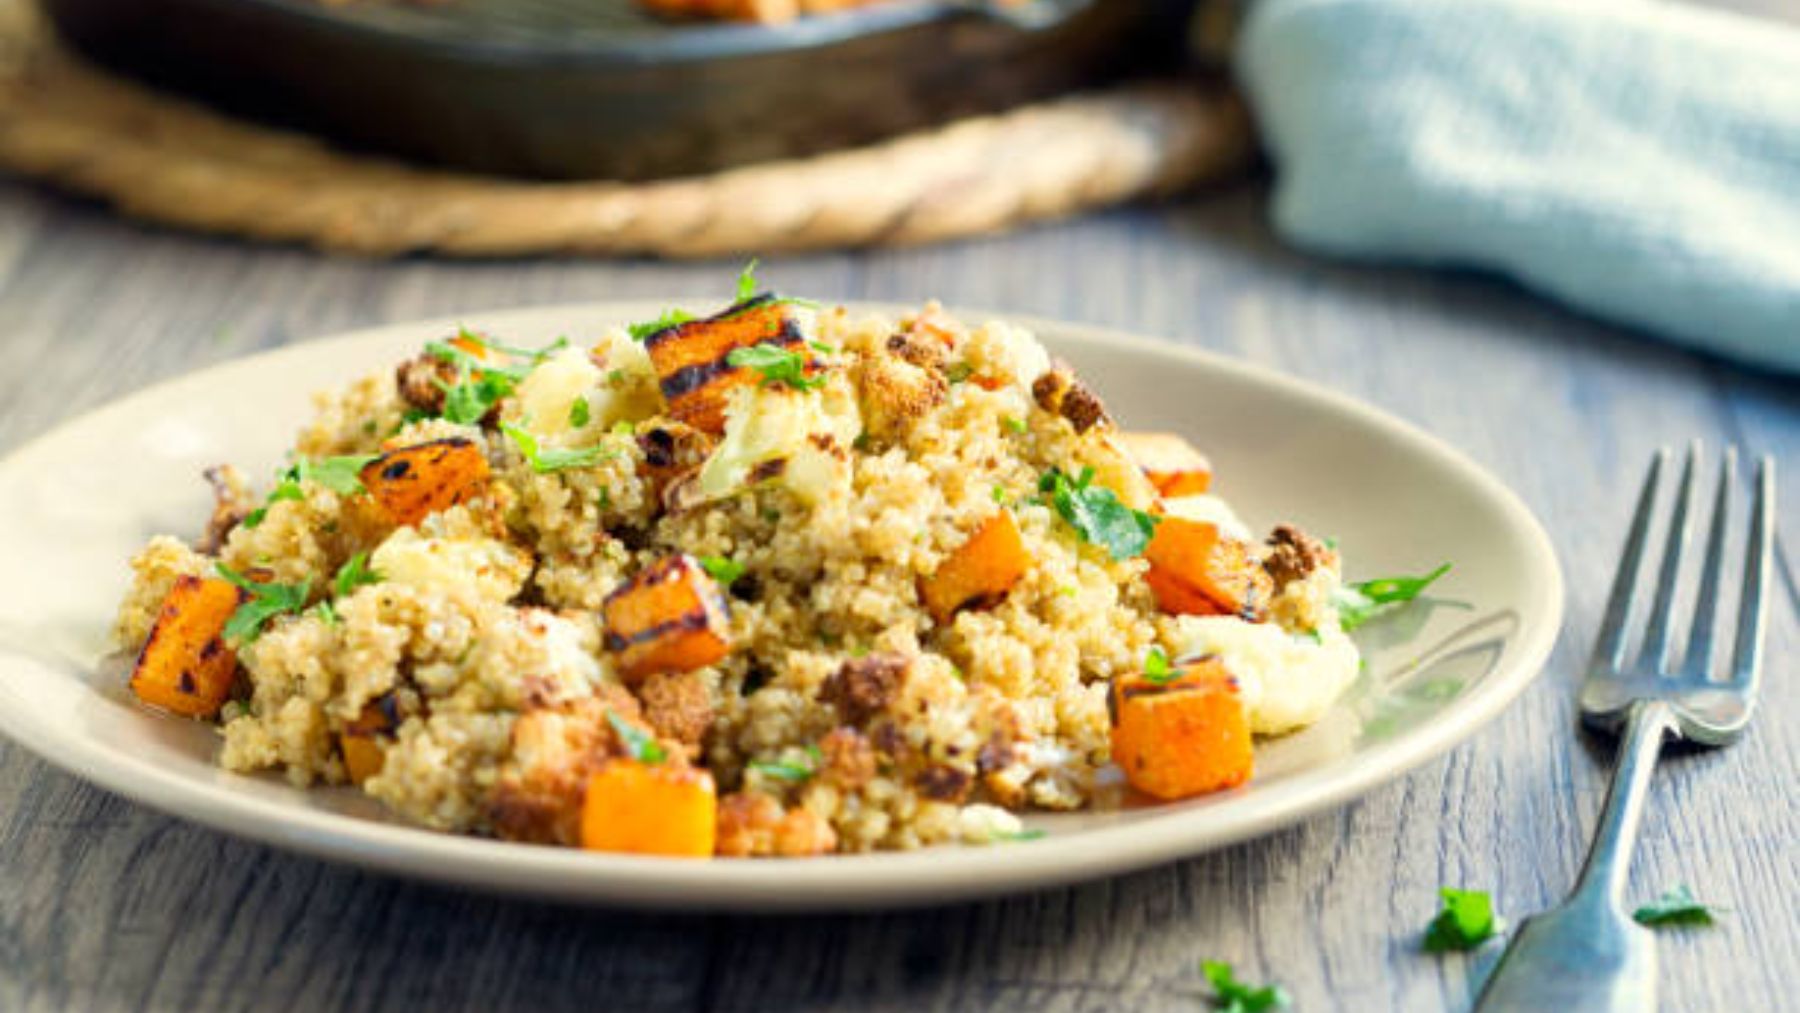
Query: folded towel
<point>1640,161</point>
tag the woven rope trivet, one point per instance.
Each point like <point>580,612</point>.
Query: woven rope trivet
<point>166,160</point>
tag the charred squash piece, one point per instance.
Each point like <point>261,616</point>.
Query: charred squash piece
<point>1197,570</point>
<point>1170,462</point>
<point>980,572</point>
<point>650,809</point>
<point>691,359</point>
<point>185,666</point>
<point>360,739</point>
<point>671,617</point>
<point>412,483</point>
<point>1185,737</point>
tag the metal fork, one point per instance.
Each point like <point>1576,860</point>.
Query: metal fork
<point>1587,954</point>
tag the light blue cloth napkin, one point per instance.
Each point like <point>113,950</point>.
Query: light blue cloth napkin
<point>1638,160</point>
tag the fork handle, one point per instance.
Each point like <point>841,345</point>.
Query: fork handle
<point>1587,955</point>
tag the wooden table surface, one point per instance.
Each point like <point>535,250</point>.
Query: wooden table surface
<point>105,905</point>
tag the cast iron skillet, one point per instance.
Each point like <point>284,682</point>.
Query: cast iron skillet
<point>597,89</point>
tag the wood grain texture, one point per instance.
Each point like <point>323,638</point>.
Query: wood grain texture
<point>108,906</point>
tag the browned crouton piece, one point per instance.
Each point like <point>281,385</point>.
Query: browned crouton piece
<point>1295,555</point>
<point>895,394</point>
<point>540,791</point>
<point>863,687</point>
<point>1060,392</point>
<point>754,825</point>
<point>232,503</point>
<point>671,617</point>
<point>847,759</point>
<point>678,706</point>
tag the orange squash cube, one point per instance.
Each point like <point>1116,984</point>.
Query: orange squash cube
<point>671,617</point>
<point>692,359</point>
<point>980,572</point>
<point>1185,737</point>
<point>1171,463</point>
<point>1197,570</point>
<point>185,666</point>
<point>650,809</point>
<point>360,741</point>
<point>412,483</point>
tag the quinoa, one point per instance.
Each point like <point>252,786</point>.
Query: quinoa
<point>831,709</point>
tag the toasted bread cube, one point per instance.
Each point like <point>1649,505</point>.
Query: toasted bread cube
<point>980,572</point>
<point>185,665</point>
<point>1197,570</point>
<point>671,617</point>
<point>650,809</point>
<point>412,483</point>
<point>1184,737</point>
<point>692,359</point>
<point>1170,462</point>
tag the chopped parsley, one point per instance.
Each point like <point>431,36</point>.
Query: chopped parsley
<point>776,364</point>
<point>546,460</point>
<point>639,744</point>
<point>342,475</point>
<point>1358,603</point>
<point>1000,494</point>
<point>1157,667</point>
<point>1015,426</point>
<point>579,413</point>
<point>1233,996</point>
<point>959,372</point>
<point>1096,513</point>
<point>670,318</point>
<point>353,574</point>
<point>1675,907</point>
<point>746,283</point>
<point>480,383</point>
<point>721,569</point>
<point>1465,922</point>
<point>787,770</point>
<point>267,600</point>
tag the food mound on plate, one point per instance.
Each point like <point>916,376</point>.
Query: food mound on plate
<point>778,581</point>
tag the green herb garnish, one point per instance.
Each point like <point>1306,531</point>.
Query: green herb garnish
<point>1465,922</point>
<point>579,413</point>
<point>353,574</point>
<point>546,460</point>
<point>1015,426</point>
<point>342,475</point>
<point>1096,513</point>
<point>721,569</point>
<point>1233,996</point>
<point>746,283</point>
<point>1358,603</point>
<point>670,318</point>
<point>265,603</point>
<point>480,383</point>
<point>639,744</point>
<point>1675,907</point>
<point>1157,667</point>
<point>776,364</point>
<point>958,372</point>
<point>787,770</point>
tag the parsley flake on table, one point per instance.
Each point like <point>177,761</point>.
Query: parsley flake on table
<point>721,569</point>
<point>1096,513</point>
<point>788,770</point>
<point>1675,907</point>
<point>1465,921</point>
<point>266,601</point>
<point>355,573</point>
<point>639,744</point>
<point>776,364</point>
<point>546,460</point>
<point>1358,603</point>
<point>1233,996</point>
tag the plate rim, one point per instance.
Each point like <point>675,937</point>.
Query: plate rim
<point>883,880</point>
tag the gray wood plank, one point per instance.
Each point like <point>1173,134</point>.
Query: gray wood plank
<point>105,905</point>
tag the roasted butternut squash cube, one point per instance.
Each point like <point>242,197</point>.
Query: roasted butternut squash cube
<point>980,572</point>
<point>1184,737</point>
<point>360,741</point>
<point>693,365</point>
<point>650,809</point>
<point>1171,463</point>
<point>671,617</point>
<point>1195,569</point>
<point>412,483</point>
<point>185,666</point>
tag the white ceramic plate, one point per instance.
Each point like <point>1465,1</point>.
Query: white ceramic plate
<point>79,501</point>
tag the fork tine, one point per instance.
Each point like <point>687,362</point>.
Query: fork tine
<point>1609,646</point>
<point>1753,610</point>
<point>1706,605</point>
<point>1656,634</point>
